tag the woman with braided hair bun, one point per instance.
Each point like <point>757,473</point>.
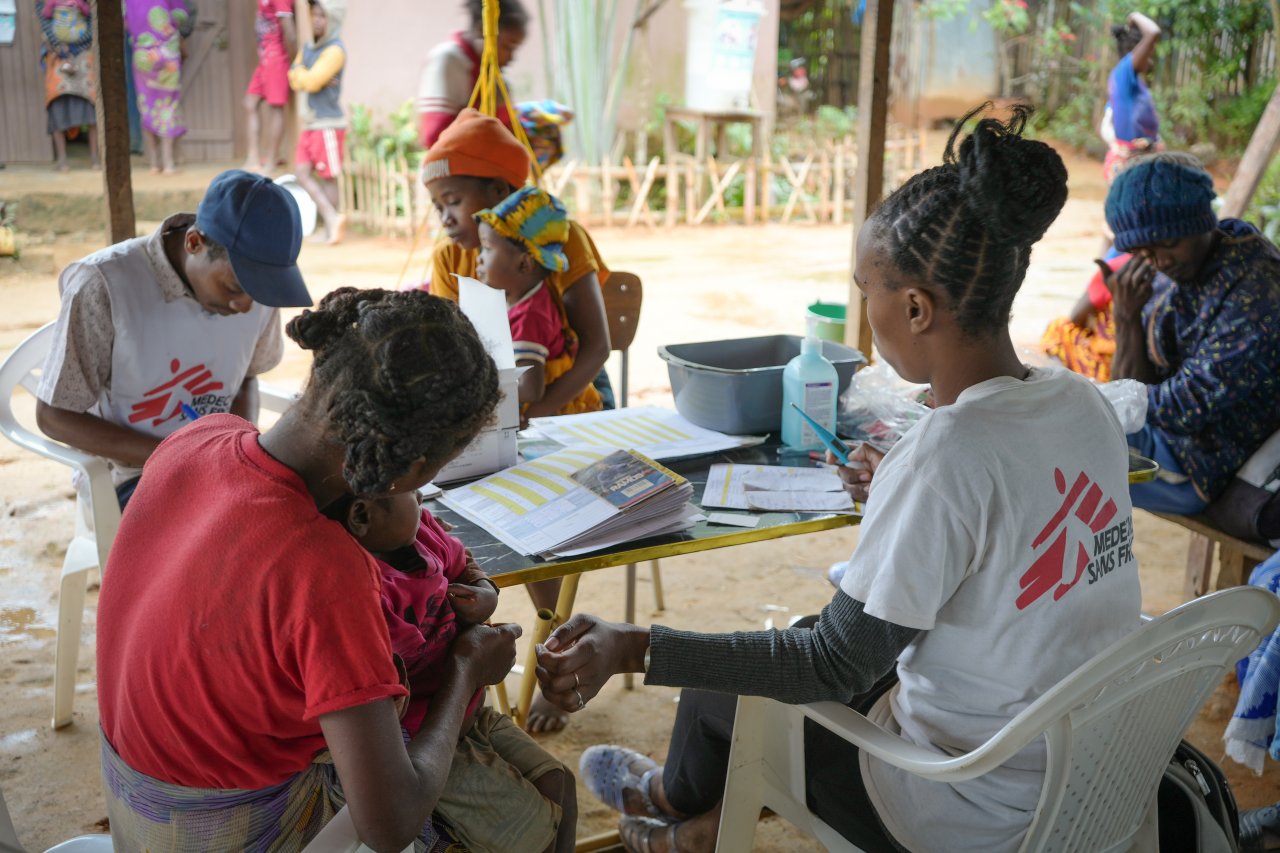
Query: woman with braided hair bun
<point>978,582</point>
<point>246,682</point>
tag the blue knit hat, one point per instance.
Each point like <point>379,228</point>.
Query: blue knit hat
<point>1156,200</point>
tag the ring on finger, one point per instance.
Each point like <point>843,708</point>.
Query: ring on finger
<point>582,703</point>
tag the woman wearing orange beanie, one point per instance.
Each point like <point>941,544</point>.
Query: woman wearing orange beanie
<point>474,165</point>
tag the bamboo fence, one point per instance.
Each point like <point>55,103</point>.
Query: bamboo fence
<point>813,184</point>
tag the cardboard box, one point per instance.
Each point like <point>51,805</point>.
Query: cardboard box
<point>495,447</point>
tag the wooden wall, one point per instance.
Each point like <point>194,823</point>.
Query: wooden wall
<point>220,59</point>
<point>22,115</point>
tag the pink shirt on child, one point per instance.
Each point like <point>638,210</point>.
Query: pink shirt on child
<point>420,618</point>
<point>537,328</point>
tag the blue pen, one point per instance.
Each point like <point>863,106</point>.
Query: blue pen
<point>837,447</point>
<point>192,414</point>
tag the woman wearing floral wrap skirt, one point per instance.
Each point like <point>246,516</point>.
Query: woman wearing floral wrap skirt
<point>156,32</point>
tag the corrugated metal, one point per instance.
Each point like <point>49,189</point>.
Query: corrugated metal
<point>22,115</point>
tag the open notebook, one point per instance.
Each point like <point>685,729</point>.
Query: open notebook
<point>577,500</point>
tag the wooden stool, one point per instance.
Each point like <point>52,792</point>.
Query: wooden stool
<point>706,121</point>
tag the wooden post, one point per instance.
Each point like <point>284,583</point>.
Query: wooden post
<point>873,109</point>
<point>1262,147</point>
<point>113,119</point>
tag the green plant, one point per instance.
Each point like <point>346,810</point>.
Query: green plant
<point>396,138</point>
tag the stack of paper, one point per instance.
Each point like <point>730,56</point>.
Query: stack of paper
<point>577,500</point>
<point>657,433</point>
<point>777,489</point>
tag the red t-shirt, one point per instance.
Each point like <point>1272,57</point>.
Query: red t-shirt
<point>271,44</point>
<point>420,617</point>
<point>232,615</point>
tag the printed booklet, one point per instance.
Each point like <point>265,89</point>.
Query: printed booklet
<point>577,500</point>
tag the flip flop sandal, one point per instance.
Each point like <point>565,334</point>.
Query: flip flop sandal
<point>1260,829</point>
<point>638,832</point>
<point>608,770</point>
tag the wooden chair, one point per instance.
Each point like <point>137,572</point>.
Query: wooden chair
<point>623,294</point>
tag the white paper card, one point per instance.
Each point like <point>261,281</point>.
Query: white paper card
<point>732,520</point>
<point>486,308</point>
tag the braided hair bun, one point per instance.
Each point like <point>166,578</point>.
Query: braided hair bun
<point>1015,187</point>
<point>403,375</point>
<point>965,228</point>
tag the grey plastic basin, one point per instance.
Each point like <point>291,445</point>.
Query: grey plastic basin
<point>735,386</point>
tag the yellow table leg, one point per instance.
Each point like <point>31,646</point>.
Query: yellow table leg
<point>541,629</point>
<point>568,593</point>
<point>500,697</point>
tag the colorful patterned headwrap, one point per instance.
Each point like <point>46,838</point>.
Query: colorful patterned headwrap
<point>542,121</point>
<point>536,220</point>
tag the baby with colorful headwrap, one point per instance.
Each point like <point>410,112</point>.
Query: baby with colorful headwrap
<point>541,121</point>
<point>521,240</point>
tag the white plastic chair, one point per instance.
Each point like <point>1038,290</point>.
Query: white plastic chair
<point>88,549</point>
<point>1110,727</point>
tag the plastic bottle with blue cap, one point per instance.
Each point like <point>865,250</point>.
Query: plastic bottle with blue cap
<point>810,382</point>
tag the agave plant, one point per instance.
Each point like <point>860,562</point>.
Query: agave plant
<point>585,69</point>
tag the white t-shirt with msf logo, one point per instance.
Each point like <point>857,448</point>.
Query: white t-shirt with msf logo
<point>1001,527</point>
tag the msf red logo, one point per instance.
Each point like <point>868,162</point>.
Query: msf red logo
<point>161,404</point>
<point>1051,570</point>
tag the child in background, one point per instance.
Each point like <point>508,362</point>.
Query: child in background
<point>521,242</point>
<point>277,41</point>
<point>504,792</point>
<point>318,72</point>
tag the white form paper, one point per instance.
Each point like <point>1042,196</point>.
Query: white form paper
<point>728,484</point>
<point>802,502</point>
<point>657,433</point>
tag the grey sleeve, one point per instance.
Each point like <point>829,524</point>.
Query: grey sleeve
<point>841,656</point>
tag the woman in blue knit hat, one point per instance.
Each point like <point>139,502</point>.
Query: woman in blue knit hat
<point>1197,314</point>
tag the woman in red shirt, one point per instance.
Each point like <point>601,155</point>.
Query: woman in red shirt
<point>245,676</point>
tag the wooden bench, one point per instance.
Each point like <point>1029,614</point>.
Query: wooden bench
<point>1236,557</point>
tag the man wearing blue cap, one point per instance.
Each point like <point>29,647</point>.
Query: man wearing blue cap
<point>1197,313</point>
<point>158,329</point>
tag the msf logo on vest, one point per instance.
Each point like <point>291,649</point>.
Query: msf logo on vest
<point>164,402</point>
<point>1095,547</point>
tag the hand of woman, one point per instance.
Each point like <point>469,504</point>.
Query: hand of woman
<point>487,652</point>
<point>581,655</point>
<point>856,476</point>
<point>1130,286</point>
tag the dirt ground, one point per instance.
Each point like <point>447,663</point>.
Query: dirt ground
<point>701,284</point>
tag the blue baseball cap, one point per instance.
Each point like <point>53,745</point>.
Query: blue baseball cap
<point>258,223</point>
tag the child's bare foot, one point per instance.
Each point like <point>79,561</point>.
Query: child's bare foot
<point>545,717</point>
<point>155,170</point>
<point>171,170</point>
<point>254,166</point>
<point>62,166</point>
<point>339,228</point>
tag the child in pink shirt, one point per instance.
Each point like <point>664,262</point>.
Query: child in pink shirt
<point>504,792</point>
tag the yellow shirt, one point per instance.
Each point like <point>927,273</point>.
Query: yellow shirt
<point>449,258</point>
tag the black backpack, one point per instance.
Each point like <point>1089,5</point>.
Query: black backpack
<point>1196,808</point>
<point>1249,508</point>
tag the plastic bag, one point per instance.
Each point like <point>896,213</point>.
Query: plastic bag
<point>879,407</point>
<point>1129,398</point>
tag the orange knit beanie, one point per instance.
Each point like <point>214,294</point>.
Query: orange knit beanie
<point>477,146</point>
